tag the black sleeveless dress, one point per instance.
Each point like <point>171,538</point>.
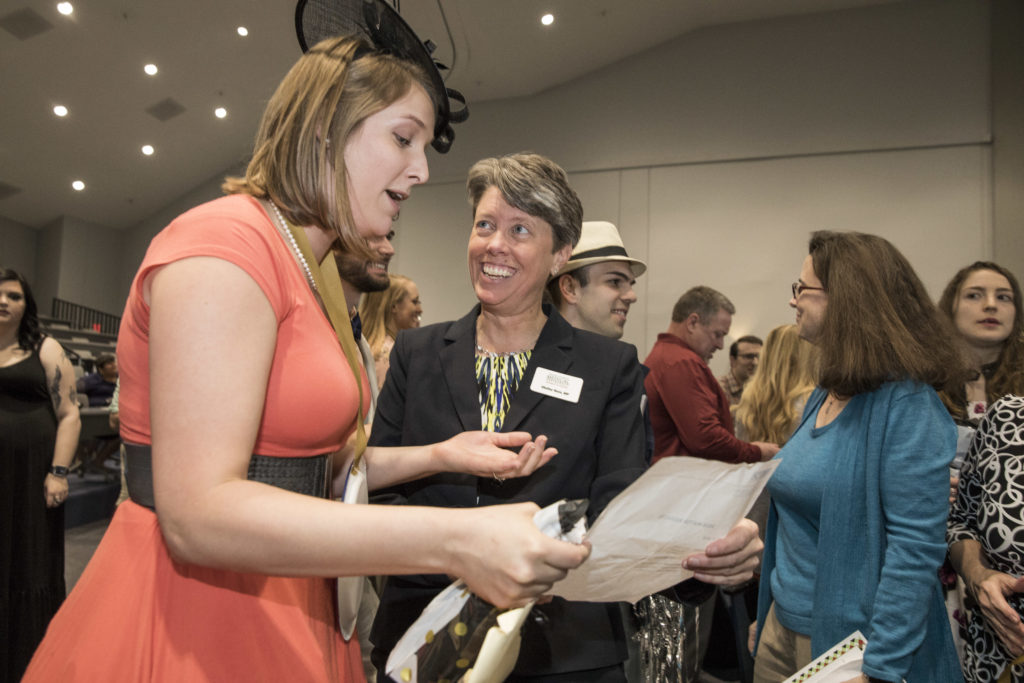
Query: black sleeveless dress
<point>31,535</point>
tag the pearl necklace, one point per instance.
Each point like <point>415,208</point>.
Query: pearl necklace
<point>295,247</point>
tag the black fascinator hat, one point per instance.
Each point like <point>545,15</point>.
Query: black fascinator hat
<point>381,26</point>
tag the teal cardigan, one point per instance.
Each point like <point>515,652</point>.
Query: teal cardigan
<point>882,534</point>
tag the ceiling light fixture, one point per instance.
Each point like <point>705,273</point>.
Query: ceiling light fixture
<point>148,150</point>
<point>243,31</point>
<point>65,8</point>
<point>78,185</point>
<point>547,19</point>
<point>220,112</point>
<point>150,69</point>
<point>60,110</point>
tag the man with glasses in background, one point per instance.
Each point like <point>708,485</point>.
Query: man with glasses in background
<point>743,356</point>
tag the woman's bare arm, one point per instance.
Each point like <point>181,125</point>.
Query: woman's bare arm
<point>212,339</point>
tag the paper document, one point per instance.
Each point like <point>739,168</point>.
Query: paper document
<point>672,511</point>
<point>838,665</point>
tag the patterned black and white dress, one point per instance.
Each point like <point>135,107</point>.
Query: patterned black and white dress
<point>989,509</point>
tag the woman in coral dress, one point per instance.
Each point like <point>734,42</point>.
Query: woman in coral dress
<point>237,394</point>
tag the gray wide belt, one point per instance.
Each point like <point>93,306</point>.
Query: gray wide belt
<point>307,475</point>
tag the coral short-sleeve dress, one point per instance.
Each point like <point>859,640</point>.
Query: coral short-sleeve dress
<point>138,615</point>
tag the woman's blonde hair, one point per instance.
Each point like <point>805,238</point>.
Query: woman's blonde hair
<point>301,140</point>
<point>376,311</point>
<point>784,378</point>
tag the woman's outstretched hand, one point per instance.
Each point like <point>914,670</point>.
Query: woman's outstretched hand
<point>505,559</point>
<point>491,454</point>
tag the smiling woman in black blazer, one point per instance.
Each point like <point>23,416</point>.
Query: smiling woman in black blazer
<point>514,363</point>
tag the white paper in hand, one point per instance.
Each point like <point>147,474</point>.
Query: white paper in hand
<point>841,663</point>
<point>673,510</point>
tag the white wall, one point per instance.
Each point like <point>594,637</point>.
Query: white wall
<point>138,238</point>
<point>90,266</point>
<point>48,264</point>
<point>743,227</point>
<point>895,75</point>
<point>18,244</point>
<point>718,153</point>
<point>1008,132</point>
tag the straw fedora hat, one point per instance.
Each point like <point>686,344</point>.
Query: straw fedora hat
<point>599,242</point>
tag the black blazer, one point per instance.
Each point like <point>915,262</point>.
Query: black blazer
<point>431,394</point>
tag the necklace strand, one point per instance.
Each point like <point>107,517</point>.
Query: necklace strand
<point>295,247</point>
<point>496,354</point>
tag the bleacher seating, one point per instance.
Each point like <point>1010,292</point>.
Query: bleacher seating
<point>82,345</point>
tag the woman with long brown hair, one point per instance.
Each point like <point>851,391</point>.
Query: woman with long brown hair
<point>982,302</point>
<point>855,534</point>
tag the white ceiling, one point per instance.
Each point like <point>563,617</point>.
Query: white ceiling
<point>92,63</point>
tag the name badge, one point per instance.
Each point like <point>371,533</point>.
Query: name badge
<point>557,385</point>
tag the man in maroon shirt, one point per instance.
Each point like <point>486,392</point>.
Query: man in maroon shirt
<point>689,409</point>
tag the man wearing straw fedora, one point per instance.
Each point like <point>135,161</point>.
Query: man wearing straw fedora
<point>594,289</point>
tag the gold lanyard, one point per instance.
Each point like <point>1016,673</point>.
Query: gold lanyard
<point>330,294</point>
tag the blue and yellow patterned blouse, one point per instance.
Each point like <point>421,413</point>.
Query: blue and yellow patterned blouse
<point>497,379</point>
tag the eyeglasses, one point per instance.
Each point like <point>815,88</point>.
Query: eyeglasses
<point>748,356</point>
<point>799,289</point>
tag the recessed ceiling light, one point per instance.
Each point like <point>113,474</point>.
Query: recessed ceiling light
<point>147,150</point>
<point>243,31</point>
<point>547,19</point>
<point>220,112</point>
<point>150,69</point>
<point>78,185</point>
<point>65,8</point>
<point>60,110</point>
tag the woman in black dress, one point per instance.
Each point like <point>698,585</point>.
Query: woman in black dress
<point>39,426</point>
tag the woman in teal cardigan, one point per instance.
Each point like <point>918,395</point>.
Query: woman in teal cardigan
<point>856,530</point>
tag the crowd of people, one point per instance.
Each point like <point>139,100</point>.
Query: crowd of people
<point>243,451</point>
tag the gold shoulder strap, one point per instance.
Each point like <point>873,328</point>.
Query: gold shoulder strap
<point>332,299</point>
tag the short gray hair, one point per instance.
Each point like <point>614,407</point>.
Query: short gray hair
<point>703,301</point>
<point>534,184</point>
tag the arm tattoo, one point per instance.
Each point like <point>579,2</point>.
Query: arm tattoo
<point>72,390</point>
<point>55,389</point>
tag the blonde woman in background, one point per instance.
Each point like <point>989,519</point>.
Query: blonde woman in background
<point>774,398</point>
<point>385,314</point>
